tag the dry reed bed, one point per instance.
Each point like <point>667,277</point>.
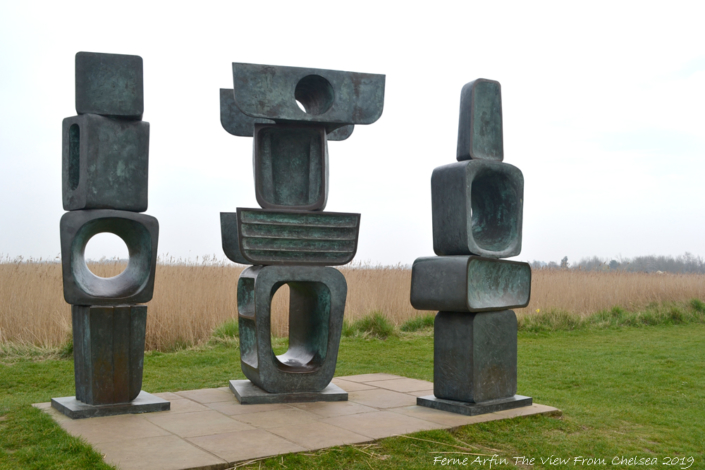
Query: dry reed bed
<point>191,300</point>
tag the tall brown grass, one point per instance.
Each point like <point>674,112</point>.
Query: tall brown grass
<point>191,299</point>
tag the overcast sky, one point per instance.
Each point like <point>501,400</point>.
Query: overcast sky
<point>604,113</point>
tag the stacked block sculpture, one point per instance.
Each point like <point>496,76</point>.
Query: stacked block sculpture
<point>291,240</point>
<point>477,219</point>
<point>104,164</point>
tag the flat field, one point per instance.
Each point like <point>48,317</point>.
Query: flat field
<point>628,392</point>
<point>192,299</point>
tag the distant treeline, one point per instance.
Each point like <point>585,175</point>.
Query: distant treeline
<point>684,264</point>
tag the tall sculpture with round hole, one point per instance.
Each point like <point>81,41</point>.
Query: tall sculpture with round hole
<point>105,159</point>
<point>292,113</point>
<point>477,219</point>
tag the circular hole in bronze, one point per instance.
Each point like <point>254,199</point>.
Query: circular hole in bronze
<point>315,94</point>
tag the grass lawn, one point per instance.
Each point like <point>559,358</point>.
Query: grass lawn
<point>631,392</point>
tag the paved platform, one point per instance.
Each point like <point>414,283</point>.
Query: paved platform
<point>209,429</point>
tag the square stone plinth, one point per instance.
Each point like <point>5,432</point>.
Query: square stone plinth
<point>75,409</point>
<point>473,409</point>
<point>248,393</point>
<point>211,429</point>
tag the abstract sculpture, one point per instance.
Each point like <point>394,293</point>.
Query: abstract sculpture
<point>292,113</point>
<point>477,218</point>
<point>105,162</point>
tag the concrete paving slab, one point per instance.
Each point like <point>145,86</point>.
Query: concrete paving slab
<point>207,395</point>
<point>199,423</point>
<point>235,408</point>
<point>380,398</point>
<point>443,417</point>
<point>349,386</point>
<point>317,435</point>
<point>379,424</point>
<point>277,418</point>
<point>209,429</point>
<point>113,428</point>
<point>328,410</point>
<point>402,385</point>
<point>245,445</point>
<point>370,377</point>
<point>158,453</point>
<point>168,396</point>
<point>183,405</point>
<point>528,411</point>
<point>420,393</point>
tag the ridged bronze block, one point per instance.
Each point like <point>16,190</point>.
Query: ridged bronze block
<point>302,238</point>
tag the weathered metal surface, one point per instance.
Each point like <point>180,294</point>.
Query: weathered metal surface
<point>292,113</point>
<point>316,306</point>
<point>480,135</point>
<point>108,352</point>
<point>291,167</point>
<point>469,284</point>
<point>330,97</point>
<point>475,356</point>
<point>474,409</point>
<point>477,209</point>
<point>300,238</point>
<point>249,394</point>
<point>105,163</point>
<point>76,409</point>
<point>140,233</point>
<point>109,84</point>
<point>237,123</point>
<point>230,239</point>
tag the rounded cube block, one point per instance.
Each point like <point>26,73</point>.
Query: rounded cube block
<point>108,352</point>
<point>109,84</point>
<point>475,356</point>
<point>291,167</point>
<point>105,163</point>
<point>477,209</point>
<point>140,233</point>
<point>469,284</point>
<point>316,307</point>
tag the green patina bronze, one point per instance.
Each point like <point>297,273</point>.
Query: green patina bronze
<point>469,284</point>
<point>332,97</point>
<point>105,162</point>
<point>292,113</point>
<point>109,85</point>
<point>477,218</point>
<point>480,135</point>
<point>291,167</point>
<point>493,284</point>
<point>316,305</point>
<point>477,209</point>
<point>304,238</point>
